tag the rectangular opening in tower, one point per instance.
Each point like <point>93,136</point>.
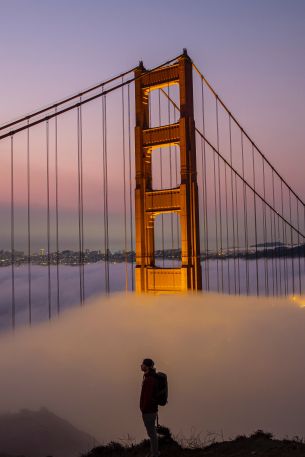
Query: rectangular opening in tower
<point>166,167</point>
<point>168,240</point>
<point>164,105</point>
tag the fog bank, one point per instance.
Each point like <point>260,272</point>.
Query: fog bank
<point>235,364</point>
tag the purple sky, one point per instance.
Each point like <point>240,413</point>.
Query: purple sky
<point>251,52</point>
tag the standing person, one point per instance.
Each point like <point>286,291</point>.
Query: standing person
<point>149,404</point>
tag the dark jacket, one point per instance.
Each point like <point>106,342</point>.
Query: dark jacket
<point>149,386</point>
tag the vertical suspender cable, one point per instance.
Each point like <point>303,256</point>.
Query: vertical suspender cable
<point>265,232</point>
<point>219,196</point>
<point>245,213</point>
<point>124,185</point>
<point>232,203</point>
<point>203,217</point>
<point>176,176</point>
<point>48,218</point>
<point>161,179</point>
<point>82,200</point>
<point>170,176</point>
<point>255,222</point>
<point>216,220</point>
<point>79,217</point>
<point>272,252</point>
<point>291,243</point>
<point>80,247</point>
<point>284,241</point>
<point>264,243</point>
<point>56,216</point>
<point>299,253</point>
<point>103,190</point>
<point>149,108</point>
<point>105,181</point>
<point>104,196</point>
<point>130,187</point>
<point>227,230</point>
<point>275,246</point>
<point>107,206</point>
<point>150,122</point>
<point>29,224</point>
<point>204,196</point>
<point>280,254</point>
<point>13,309</point>
<point>303,246</point>
<point>237,233</point>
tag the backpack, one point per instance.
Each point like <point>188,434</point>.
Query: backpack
<point>161,393</point>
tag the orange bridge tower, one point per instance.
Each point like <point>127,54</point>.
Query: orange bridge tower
<point>182,199</point>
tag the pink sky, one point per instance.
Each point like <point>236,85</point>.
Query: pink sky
<point>251,53</point>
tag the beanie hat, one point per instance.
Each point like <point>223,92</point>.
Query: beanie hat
<point>148,362</point>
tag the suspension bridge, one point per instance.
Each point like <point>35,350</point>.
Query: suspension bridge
<point>148,182</point>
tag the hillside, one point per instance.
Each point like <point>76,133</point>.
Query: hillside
<point>40,434</point>
<point>259,444</point>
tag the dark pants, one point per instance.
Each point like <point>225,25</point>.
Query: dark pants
<point>149,420</point>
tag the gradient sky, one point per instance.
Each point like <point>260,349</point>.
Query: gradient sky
<point>251,52</point>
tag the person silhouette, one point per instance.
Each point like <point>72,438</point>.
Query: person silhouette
<point>149,405</point>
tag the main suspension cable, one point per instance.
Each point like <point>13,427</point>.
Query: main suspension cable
<point>55,105</point>
<point>245,133</point>
<point>265,204</point>
<point>243,180</point>
<point>76,105</point>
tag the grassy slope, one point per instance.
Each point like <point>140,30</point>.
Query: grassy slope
<point>259,444</point>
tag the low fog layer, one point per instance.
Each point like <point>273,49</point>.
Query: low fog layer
<point>235,364</point>
<point>67,289</point>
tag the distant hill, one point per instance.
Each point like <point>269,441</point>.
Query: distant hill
<point>40,434</point>
<point>259,444</point>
